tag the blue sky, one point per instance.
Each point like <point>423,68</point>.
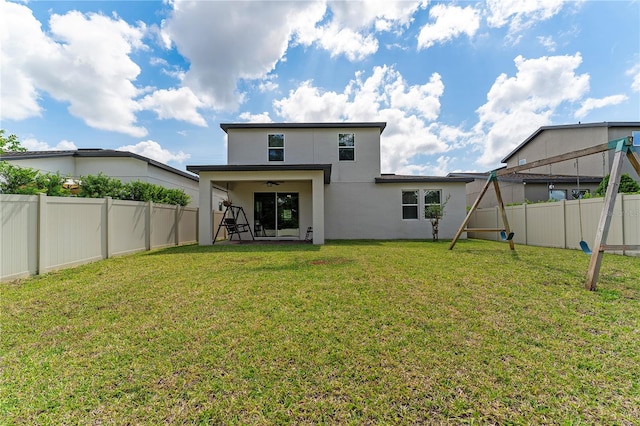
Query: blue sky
<point>460,84</point>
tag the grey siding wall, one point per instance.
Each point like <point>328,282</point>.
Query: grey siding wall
<point>369,210</point>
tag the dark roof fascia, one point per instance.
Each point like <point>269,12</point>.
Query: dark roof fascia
<point>421,179</point>
<point>102,153</point>
<point>326,168</point>
<point>328,125</point>
<point>571,126</point>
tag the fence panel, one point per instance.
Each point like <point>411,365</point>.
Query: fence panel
<point>517,217</point>
<point>127,227</point>
<point>163,225</point>
<point>631,221</point>
<point>39,233</point>
<point>18,236</point>
<point>74,232</point>
<point>558,224</point>
<point>188,225</point>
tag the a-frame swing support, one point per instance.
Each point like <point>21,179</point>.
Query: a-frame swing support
<point>493,179</point>
<point>623,147</point>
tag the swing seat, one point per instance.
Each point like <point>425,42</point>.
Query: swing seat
<point>505,237</point>
<point>585,248</point>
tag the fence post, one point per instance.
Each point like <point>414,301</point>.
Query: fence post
<point>564,224</point>
<point>622,215</point>
<point>526,228</point>
<point>109,225</point>
<point>198,225</point>
<point>177,224</point>
<point>148,225</point>
<point>42,223</point>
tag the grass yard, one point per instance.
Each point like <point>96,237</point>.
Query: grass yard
<point>400,332</point>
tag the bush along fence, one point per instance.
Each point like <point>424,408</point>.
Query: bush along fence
<point>564,224</point>
<point>39,233</point>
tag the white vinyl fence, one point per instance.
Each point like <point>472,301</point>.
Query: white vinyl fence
<point>40,234</point>
<point>557,224</point>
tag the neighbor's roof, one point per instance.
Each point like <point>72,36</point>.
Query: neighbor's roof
<point>326,168</point>
<point>572,126</point>
<point>94,152</point>
<point>327,125</point>
<point>393,178</point>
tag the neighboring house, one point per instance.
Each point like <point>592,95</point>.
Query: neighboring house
<point>559,180</point>
<point>292,176</point>
<point>122,165</point>
<point>518,188</point>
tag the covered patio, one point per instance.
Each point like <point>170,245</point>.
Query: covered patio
<point>280,202</point>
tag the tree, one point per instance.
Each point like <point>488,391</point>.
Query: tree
<point>434,213</point>
<point>627,185</point>
<point>10,143</point>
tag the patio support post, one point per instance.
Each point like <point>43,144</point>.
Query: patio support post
<point>205,212</point>
<point>317,185</point>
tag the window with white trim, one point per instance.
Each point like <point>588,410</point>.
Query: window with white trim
<point>276,147</point>
<point>432,198</point>
<point>410,204</point>
<point>346,146</point>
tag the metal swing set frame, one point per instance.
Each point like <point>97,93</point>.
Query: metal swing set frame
<point>623,147</point>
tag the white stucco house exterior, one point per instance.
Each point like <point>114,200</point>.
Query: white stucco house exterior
<point>288,177</point>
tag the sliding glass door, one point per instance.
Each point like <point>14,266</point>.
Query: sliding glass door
<point>276,214</point>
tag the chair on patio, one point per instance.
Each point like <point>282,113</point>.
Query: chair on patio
<point>231,224</point>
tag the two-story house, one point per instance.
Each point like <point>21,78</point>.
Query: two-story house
<point>288,177</point>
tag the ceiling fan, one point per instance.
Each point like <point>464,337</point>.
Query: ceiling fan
<point>272,183</point>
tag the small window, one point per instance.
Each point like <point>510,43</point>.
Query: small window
<point>346,147</point>
<point>276,147</point>
<point>557,194</point>
<point>432,198</point>
<point>410,204</point>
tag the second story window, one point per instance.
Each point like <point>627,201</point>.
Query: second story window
<point>346,147</point>
<point>276,147</point>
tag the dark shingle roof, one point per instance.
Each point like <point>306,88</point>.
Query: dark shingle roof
<point>327,125</point>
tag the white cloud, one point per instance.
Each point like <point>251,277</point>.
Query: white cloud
<point>179,104</point>
<point>590,104</point>
<point>249,39</point>
<point>153,150</point>
<point>85,63</point>
<point>409,110</point>
<point>246,42</point>
<point>547,42</point>
<point>517,106</point>
<point>441,167</point>
<point>521,14</point>
<point>352,26</point>
<point>344,41</point>
<point>635,73</point>
<point>256,118</point>
<point>35,145</point>
<point>450,22</point>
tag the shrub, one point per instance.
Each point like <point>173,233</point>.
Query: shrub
<point>627,185</point>
<point>101,186</point>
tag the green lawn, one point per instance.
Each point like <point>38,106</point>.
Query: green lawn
<point>350,333</point>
